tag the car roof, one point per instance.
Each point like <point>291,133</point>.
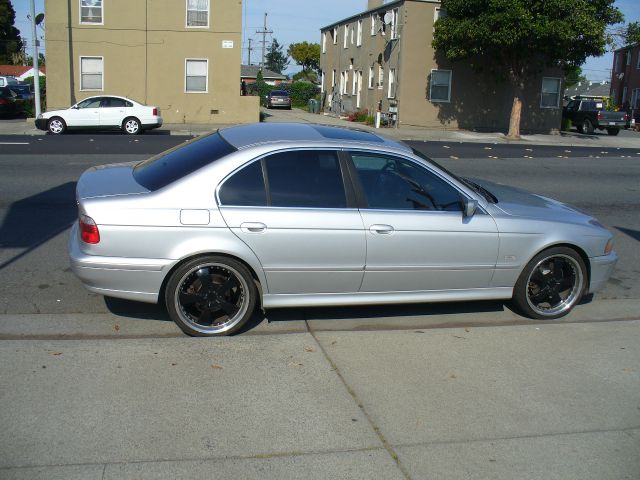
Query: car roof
<point>243,136</point>
<point>108,96</point>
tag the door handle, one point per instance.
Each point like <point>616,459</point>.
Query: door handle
<point>381,229</point>
<point>253,227</point>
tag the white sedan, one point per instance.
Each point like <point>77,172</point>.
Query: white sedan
<point>104,112</point>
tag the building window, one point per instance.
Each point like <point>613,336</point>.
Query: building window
<point>359,39</point>
<point>624,96</point>
<point>440,87</point>
<point>324,42</point>
<point>391,89</point>
<point>638,63</point>
<point>197,13</point>
<point>373,24</point>
<point>380,77</point>
<point>322,82</point>
<point>351,34</point>
<point>550,97</point>
<point>635,98</point>
<point>371,77</point>
<point>196,75</point>
<point>333,78</point>
<point>437,15</point>
<point>91,73</point>
<point>335,35</point>
<point>346,36</point>
<point>616,62</point>
<point>394,24</point>
<point>91,12</point>
<point>354,83</point>
<point>629,57</point>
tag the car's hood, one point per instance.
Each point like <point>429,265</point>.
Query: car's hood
<point>520,203</point>
<point>108,181</point>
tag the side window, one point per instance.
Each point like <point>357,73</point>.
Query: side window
<point>305,178</point>
<point>113,102</point>
<point>245,188</point>
<point>392,183</point>
<point>90,103</point>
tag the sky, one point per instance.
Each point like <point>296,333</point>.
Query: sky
<point>299,20</point>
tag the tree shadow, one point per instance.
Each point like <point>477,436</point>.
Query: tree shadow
<point>34,220</point>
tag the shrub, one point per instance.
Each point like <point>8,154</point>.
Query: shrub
<point>566,125</point>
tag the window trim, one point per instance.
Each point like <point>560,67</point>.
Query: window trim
<point>335,35</point>
<point>206,83</point>
<point>391,83</point>
<point>395,16</point>
<point>346,36</point>
<point>559,92</point>
<point>186,16</point>
<point>80,22</point>
<point>380,77</point>
<point>101,89</point>
<point>372,78</point>
<point>373,24</point>
<point>324,42</point>
<point>359,34</point>
<point>448,100</point>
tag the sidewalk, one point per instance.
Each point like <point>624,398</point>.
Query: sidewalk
<point>626,139</point>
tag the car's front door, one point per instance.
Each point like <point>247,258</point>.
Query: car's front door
<point>291,209</point>
<point>113,111</point>
<point>84,114</point>
<point>417,236</point>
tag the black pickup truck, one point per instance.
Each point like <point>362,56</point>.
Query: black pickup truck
<point>587,114</point>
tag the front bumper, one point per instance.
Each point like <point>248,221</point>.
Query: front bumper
<point>601,269</point>
<point>137,279</point>
<point>41,123</point>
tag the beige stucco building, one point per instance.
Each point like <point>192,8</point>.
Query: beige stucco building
<point>383,58</point>
<point>180,55</point>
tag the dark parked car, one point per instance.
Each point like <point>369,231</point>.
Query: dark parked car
<point>587,114</point>
<point>23,91</point>
<point>279,98</point>
<point>8,102</point>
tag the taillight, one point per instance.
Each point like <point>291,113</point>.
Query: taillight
<point>155,111</point>
<point>600,116</point>
<point>3,101</point>
<point>626,117</point>
<point>88,230</point>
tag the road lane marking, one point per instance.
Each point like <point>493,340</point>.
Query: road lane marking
<point>14,143</point>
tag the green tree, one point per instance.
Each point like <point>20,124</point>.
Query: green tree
<point>306,55</point>
<point>632,33</point>
<point>515,39</point>
<point>573,76</point>
<point>276,59</point>
<point>10,41</point>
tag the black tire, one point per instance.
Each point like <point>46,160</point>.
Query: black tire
<point>131,126</point>
<point>56,126</point>
<point>587,126</point>
<point>210,296</point>
<point>613,131</point>
<point>551,284</point>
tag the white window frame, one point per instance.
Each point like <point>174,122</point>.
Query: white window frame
<point>101,22</point>
<point>371,78</point>
<point>346,36</point>
<point>351,30</point>
<point>629,57</point>
<point>101,74</point>
<point>438,100</point>
<point>186,15</point>
<point>359,36</point>
<point>373,24</point>
<point>335,35</point>
<point>394,24</point>
<point>354,82</point>
<point>206,82</point>
<point>558,93</point>
<point>324,42</point>
<point>391,84</point>
<point>322,82</point>
<point>333,77</point>
<point>380,77</point>
<point>616,62</point>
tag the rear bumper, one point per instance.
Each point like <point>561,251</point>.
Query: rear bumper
<point>601,269</point>
<point>151,123</point>
<point>137,279</point>
<point>605,124</point>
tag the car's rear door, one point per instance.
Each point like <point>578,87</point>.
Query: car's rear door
<point>291,208</point>
<point>417,236</point>
<point>113,111</point>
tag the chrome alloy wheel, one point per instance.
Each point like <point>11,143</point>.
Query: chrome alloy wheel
<point>212,298</point>
<point>132,126</point>
<point>554,285</point>
<point>56,126</point>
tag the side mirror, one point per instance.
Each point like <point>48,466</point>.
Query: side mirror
<point>469,207</point>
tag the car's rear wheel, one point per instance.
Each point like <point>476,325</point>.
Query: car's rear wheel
<point>132,126</point>
<point>551,284</point>
<point>613,131</point>
<point>210,296</point>
<point>56,126</point>
<point>587,126</point>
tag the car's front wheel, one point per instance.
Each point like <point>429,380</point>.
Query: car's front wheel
<point>56,126</point>
<point>132,126</point>
<point>551,284</point>
<point>587,126</point>
<point>210,296</point>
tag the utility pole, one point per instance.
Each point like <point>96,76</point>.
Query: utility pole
<point>36,71</point>
<point>264,33</point>
<point>250,48</point>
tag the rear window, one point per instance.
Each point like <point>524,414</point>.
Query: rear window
<point>169,166</point>
<point>279,93</point>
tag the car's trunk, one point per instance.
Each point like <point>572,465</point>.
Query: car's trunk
<point>107,181</point>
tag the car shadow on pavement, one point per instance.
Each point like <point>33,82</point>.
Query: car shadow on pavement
<point>35,220</point>
<point>635,234</point>
<point>136,310</point>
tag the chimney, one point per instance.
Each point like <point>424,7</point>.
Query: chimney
<point>374,4</point>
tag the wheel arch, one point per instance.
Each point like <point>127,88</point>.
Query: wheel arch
<point>583,255</point>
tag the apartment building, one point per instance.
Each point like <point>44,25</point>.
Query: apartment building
<point>181,55</point>
<point>625,77</point>
<point>383,59</point>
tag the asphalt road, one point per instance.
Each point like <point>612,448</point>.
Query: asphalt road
<point>37,208</point>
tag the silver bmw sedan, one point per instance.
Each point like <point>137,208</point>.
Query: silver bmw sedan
<point>289,215</point>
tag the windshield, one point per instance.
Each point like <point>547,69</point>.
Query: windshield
<point>167,167</point>
<point>490,197</point>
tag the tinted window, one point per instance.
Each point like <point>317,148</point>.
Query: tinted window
<point>305,178</point>
<point>279,93</point>
<point>397,184</point>
<point>245,188</point>
<point>90,103</point>
<point>169,166</point>
<point>114,102</point>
